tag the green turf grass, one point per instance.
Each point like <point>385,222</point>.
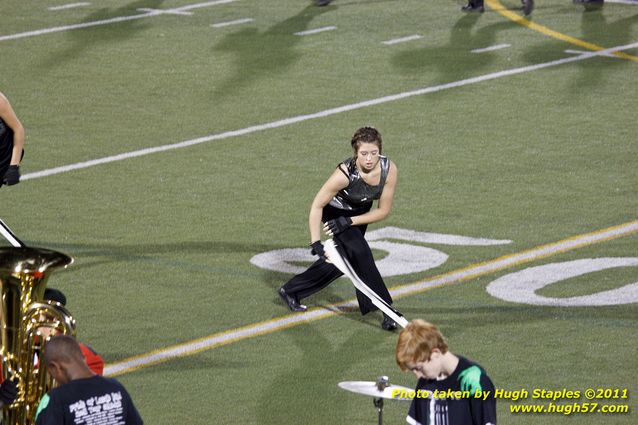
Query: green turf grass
<point>162,242</point>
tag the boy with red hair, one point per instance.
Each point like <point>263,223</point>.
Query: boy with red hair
<point>455,387</point>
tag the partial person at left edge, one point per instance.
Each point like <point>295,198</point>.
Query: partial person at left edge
<point>11,143</point>
<point>8,392</point>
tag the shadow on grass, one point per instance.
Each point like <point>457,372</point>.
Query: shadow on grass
<point>595,27</point>
<point>86,38</point>
<point>264,54</point>
<point>299,393</point>
<point>593,24</point>
<point>454,60</point>
<point>104,254</point>
<point>326,298</point>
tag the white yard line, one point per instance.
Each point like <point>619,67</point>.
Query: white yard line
<point>316,30</point>
<point>580,52</point>
<point>461,275</point>
<point>156,12</point>
<point>321,114</point>
<point>491,48</point>
<point>205,4</point>
<point>235,22</point>
<point>403,39</point>
<point>117,19</point>
<point>68,6</point>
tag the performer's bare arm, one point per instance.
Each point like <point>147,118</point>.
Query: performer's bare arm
<point>334,184</point>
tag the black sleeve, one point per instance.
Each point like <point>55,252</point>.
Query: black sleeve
<point>49,412</point>
<point>415,414</point>
<point>132,415</point>
<point>484,411</point>
<point>418,412</point>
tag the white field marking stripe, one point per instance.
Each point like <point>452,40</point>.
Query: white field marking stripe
<point>326,113</point>
<point>114,20</point>
<point>580,52</point>
<point>205,4</point>
<point>316,30</point>
<point>402,39</point>
<point>164,11</point>
<point>235,22</point>
<point>270,326</point>
<point>67,6</point>
<point>631,2</point>
<point>491,48</point>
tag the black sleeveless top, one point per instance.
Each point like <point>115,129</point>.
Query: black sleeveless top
<point>6,146</point>
<point>359,194</point>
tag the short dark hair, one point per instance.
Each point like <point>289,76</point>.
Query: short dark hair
<point>366,135</point>
<point>62,348</point>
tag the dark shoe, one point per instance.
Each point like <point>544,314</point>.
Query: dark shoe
<point>528,6</point>
<point>473,7</point>
<point>293,304</point>
<point>388,324</point>
<point>591,4</point>
<point>322,2</point>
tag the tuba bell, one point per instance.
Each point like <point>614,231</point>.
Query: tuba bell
<point>26,321</point>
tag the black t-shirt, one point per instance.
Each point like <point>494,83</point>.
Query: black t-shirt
<point>468,409</point>
<point>89,401</point>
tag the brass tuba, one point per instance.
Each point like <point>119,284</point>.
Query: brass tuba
<point>23,316</point>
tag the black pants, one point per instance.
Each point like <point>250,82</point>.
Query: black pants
<point>355,248</point>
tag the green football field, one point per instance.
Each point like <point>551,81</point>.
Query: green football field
<point>173,149</point>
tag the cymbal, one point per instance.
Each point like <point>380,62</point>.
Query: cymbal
<point>370,388</point>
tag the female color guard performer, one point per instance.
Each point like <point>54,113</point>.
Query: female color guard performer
<point>344,206</point>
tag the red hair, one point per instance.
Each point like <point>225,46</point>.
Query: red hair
<point>416,343</point>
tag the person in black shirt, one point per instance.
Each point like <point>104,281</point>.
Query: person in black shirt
<point>344,206</point>
<point>451,389</point>
<point>11,143</point>
<point>82,397</point>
